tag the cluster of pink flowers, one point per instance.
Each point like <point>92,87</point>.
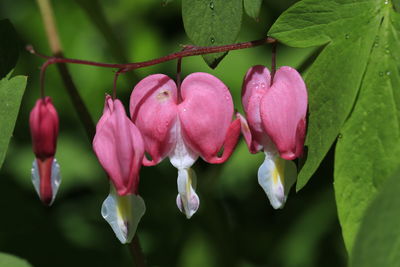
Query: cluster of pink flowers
<point>183,124</point>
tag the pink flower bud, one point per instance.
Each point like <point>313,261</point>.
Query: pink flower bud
<point>276,123</point>
<point>43,122</point>
<point>119,147</point>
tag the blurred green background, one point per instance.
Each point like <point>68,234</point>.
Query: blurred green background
<point>235,225</point>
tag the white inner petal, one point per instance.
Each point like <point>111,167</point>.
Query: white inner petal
<point>35,176</point>
<point>123,213</point>
<point>55,178</point>
<point>276,176</point>
<point>187,200</point>
<point>182,157</point>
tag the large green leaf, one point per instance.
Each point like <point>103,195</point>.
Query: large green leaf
<point>8,260</point>
<point>8,47</point>
<point>11,92</point>
<point>347,29</point>
<point>378,240</point>
<point>252,8</point>
<point>211,23</point>
<point>368,151</point>
<point>359,62</point>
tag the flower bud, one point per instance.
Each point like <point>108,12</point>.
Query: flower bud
<point>43,122</point>
<point>119,147</point>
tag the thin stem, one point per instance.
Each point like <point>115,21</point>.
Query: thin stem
<point>114,91</point>
<point>178,78</point>
<point>137,253</point>
<point>55,46</point>
<point>46,12</point>
<point>273,63</point>
<point>192,51</point>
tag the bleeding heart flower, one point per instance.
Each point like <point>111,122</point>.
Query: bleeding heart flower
<point>119,147</point>
<point>183,126</point>
<point>276,123</point>
<point>43,123</point>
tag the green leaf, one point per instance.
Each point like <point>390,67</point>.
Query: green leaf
<point>252,8</point>
<point>11,92</point>
<point>335,77</point>
<point>368,151</point>
<point>7,260</point>
<point>212,23</point>
<point>378,240</point>
<point>350,87</point>
<point>8,47</point>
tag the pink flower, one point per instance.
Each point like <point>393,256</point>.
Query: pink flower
<point>276,123</point>
<point>43,123</point>
<point>183,126</point>
<point>119,148</point>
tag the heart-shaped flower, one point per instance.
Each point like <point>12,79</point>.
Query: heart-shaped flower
<point>183,125</point>
<point>276,123</point>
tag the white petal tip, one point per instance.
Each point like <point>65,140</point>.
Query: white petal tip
<point>276,176</point>
<point>190,208</point>
<point>187,200</point>
<point>123,213</point>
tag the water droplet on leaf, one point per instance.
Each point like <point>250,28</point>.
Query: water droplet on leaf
<point>381,73</point>
<point>212,5</point>
<point>347,36</point>
<point>340,136</point>
<point>388,73</point>
<point>212,40</point>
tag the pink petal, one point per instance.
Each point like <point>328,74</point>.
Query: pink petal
<point>205,114</point>
<point>283,112</point>
<point>119,147</point>
<point>230,142</point>
<point>153,110</point>
<point>253,146</point>
<point>255,85</point>
<point>43,123</point>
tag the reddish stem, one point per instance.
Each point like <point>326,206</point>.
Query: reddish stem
<point>273,62</point>
<point>122,68</point>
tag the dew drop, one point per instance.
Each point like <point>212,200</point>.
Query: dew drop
<point>388,73</point>
<point>184,109</point>
<point>347,36</point>
<point>387,51</point>
<point>212,5</point>
<point>386,2</point>
<point>376,44</point>
<point>381,73</point>
<point>340,136</point>
<point>212,40</point>
<point>262,85</point>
